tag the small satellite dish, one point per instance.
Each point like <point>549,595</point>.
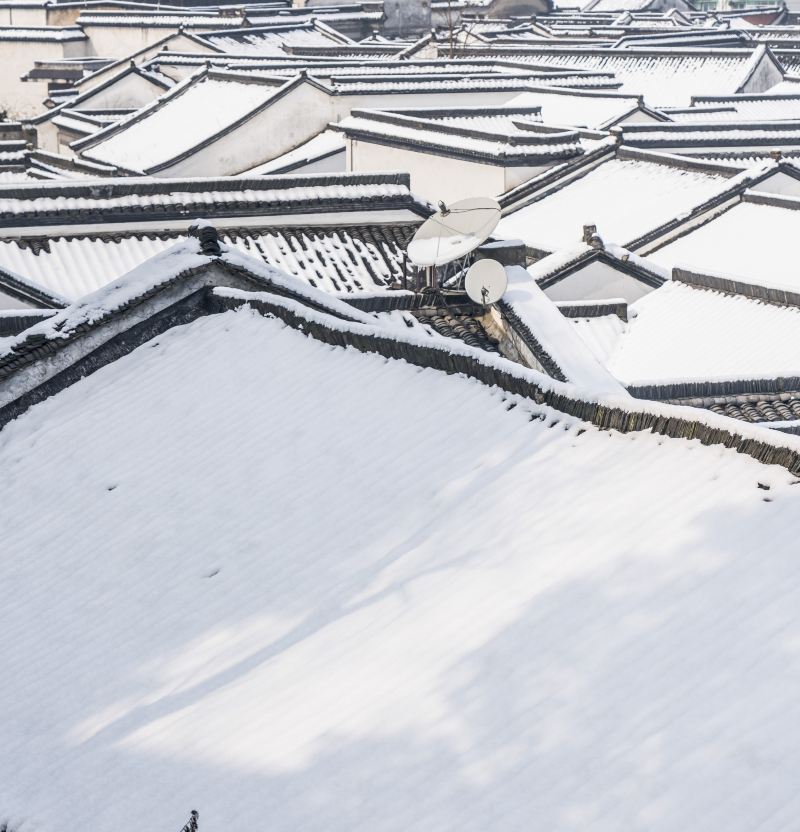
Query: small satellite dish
<point>486,282</point>
<point>454,231</point>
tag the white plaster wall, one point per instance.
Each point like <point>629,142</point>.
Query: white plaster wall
<point>23,17</point>
<point>597,281</point>
<point>639,117</point>
<point>58,16</point>
<point>178,43</point>
<point>129,92</point>
<point>76,48</point>
<point>47,137</point>
<point>335,163</point>
<point>432,177</point>
<point>120,41</point>
<point>766,76</point>
<point>779,183</point>
<point>7,302</point>
<point>516,176</point>
<point>24,99</point>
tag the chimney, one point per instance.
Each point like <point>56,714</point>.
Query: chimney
<point>406,17</point>
<point>203,231</point>
<point>592,238</point>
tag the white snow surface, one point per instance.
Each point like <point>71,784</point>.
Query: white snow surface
<point>681,333</point>
<point>577,110</point>
<point>224,589</point>
<point>601,335</point>
<point>667,78</point>
<point>624,198</point>
<point>753,242</point>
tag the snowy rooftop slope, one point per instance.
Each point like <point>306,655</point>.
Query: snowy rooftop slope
<point>592,111</point>
<point>624,198</point>
<point>179,260</point>
<point>515,144</point>
<point>766,107</point>
<point>601,334</point>
<point>41,33</point>
<point>337,260</point>
<point>193,112</point>
<point>666,78</point>
<point>489,620</point>
<point>130,197</point>
<point>752,241</point>
<point>681,333</point>
<point>271,42</point>
<point>556,335</point>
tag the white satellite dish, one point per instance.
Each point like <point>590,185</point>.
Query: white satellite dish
<point>486,282</point>
<point>454,231</point>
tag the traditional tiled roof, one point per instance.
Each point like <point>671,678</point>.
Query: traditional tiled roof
<point>714,137</point>
<point>666,77</point>
<point>466,328</point>
<point>770,410</point>
<point>348,259</point>
<point>52,33</point>
<point>109,202</point>
<point>616,196</point>
<point>753,241</point>
<point>270,40</point>
<point>182,120</point>
<point>516,139</point>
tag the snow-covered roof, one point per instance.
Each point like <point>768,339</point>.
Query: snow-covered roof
<point>232,656</point>
<point>194,112</point>
<point>108,203</point>
<point>592,110</point>
<point>273,41</point>
<point>755,240</point>
<point>348,85</point>
<point>716,136</point>
<point>764,107</point>
<point>187,20</point>
<point>683,333</point>
<point>618,197</point>
<point>42,33</point>
<point>513,139</point>
<point>555,334</point>
<point>665,77</point>
<point>339,260</point>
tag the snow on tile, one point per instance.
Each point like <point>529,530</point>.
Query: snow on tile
<point>666,78</point>
<point>767,107</point>
<point>680,333</point>
<point>751,241</point>
<point>198,112</point>
<point>577,110</point>
<point>335,260</point>
<point>270,43</point>
<point>239,576</point>
<point>601,335</point>
<point>624,198</point>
